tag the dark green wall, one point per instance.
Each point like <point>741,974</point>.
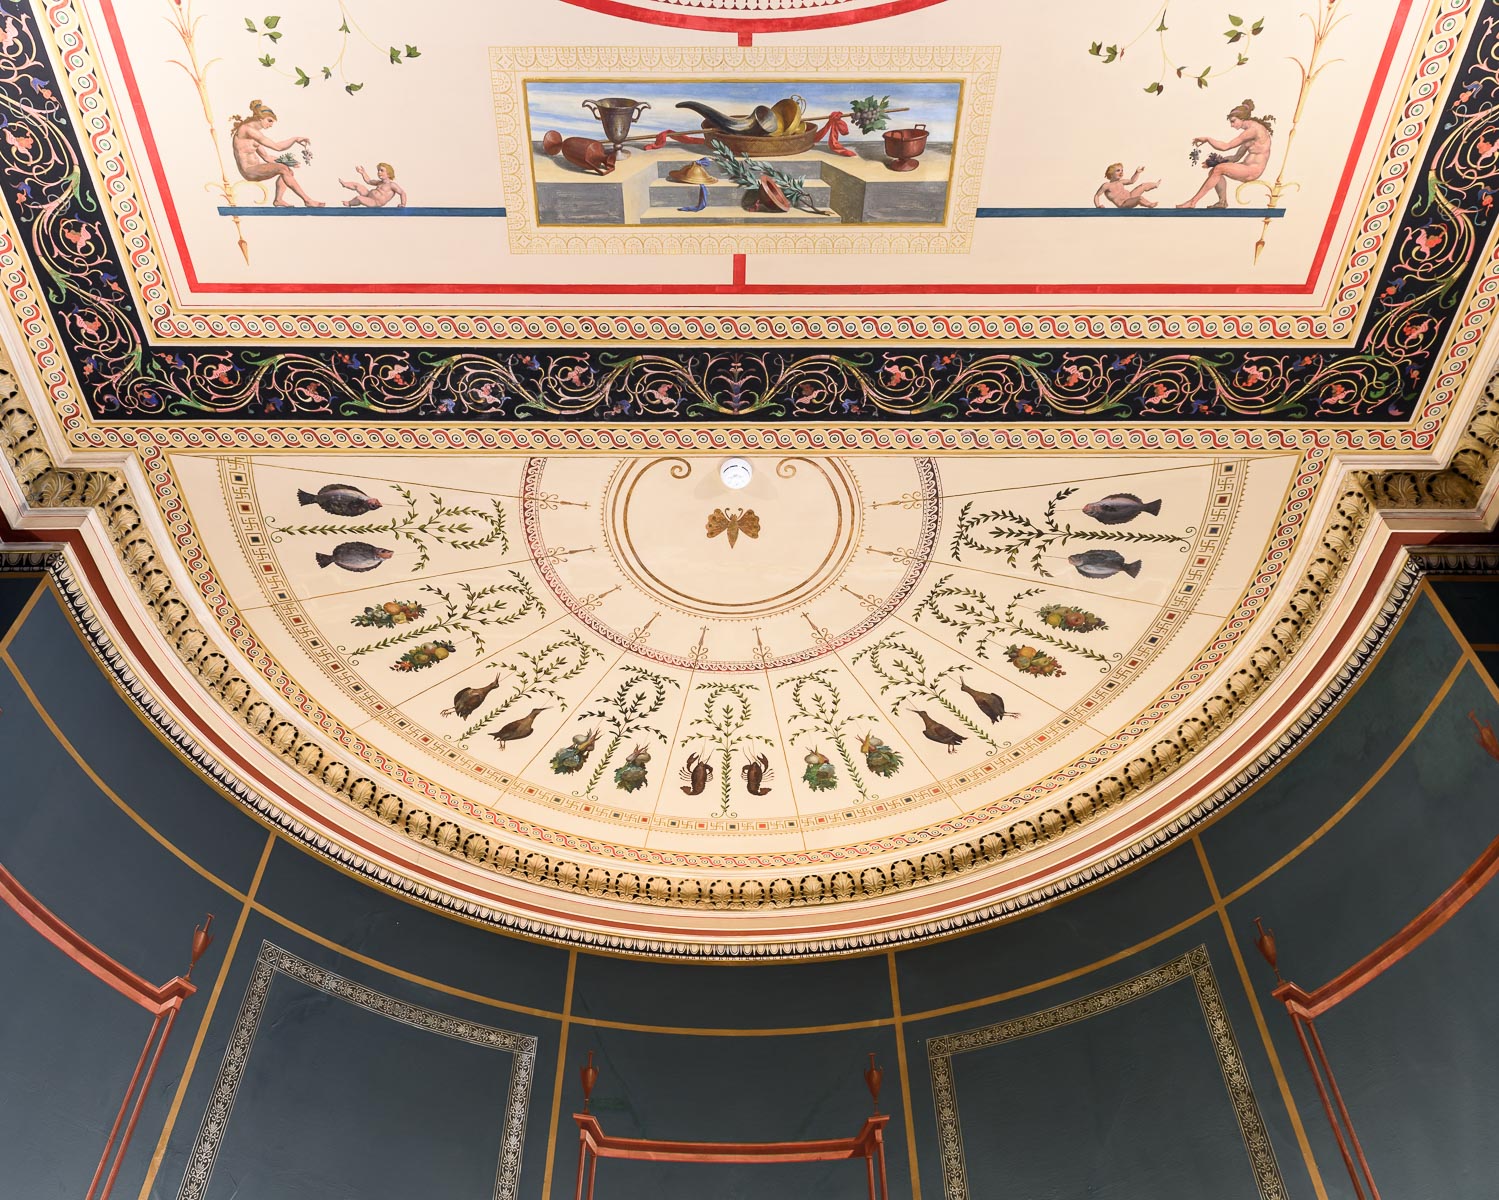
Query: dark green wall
<point>347,1090</point>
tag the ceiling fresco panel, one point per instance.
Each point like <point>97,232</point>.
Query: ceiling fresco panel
<point>402,353</point>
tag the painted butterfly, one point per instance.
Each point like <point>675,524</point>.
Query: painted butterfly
<point>744,521</point>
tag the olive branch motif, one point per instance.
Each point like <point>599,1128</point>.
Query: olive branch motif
<point>1009,533</point>
<point>817,704</point>
<point>905,673</point>
<point>538,673</point>
<point>492,605</point>
<point>970,611</point>
<point>445,526</point>
<point>727,710</point>
<point>1239,34</point>
<point>640,696</point>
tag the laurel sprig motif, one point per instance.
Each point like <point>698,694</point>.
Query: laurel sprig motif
<point>728,709</point>
<point>446,525</point>
<point>746,172</point>
<point>626,713</point>
<point>1009,534</point>
<point>479,607</point>
<point>539,674</point>
<point>907,677</point>
<point>817,710</point>
<point>972,613</point>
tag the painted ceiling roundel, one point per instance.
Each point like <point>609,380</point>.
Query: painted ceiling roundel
<point>744,474</point>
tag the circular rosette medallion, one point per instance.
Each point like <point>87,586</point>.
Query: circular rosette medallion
<point>666,561</point>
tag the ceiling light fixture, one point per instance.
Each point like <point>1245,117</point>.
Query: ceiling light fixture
<point>735,473</point>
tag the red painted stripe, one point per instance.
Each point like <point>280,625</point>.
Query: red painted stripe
<point>1383,957</point>
<point>747,26</point>
<point>128,77</point>
<point>87,955</point>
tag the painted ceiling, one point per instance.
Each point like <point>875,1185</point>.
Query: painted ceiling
<point>426,332</point>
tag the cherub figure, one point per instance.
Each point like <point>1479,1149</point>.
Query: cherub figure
<point>377,192</point>
<point>1121,191</point>
<point>255,154</point>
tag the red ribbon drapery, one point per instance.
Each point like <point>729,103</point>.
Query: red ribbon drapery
<point>835,128</point>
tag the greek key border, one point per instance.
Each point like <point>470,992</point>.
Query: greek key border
<point>272,961</point>
<point>1194,965</point>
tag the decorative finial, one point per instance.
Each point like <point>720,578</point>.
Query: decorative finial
<point>1266,944</point>
<point>590,1076</point>
<point>873,1077</point>
<point>202,939</point>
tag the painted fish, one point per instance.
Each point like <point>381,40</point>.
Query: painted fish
<point>1120,508</point>
<point>1100,564</point>
<point>355,556</point>
<point>340,500</point>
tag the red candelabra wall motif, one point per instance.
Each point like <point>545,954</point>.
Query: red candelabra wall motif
<point>164,1002</point>
<point>1304,1007</point>
<point>868,1143</point>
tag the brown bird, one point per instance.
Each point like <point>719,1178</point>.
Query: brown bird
<point>469,699</point>
<point>991,704</point>
<point>938,732</point>
<point>513,731</point>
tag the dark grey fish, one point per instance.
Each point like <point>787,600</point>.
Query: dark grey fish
<point>355,556</point>
<point>1100,564</point>
<point>340,500</point>
<point>1120,508</point>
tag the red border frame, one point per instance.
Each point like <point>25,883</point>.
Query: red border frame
<point>752,25</point>
<point>739,287</point>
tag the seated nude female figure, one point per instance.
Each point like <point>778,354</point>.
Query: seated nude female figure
<point>254,155</point>
<point>1248,154</point>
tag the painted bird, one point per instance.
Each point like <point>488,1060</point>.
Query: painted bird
<point>1100,564</point>
<point>339,500</point>
<point>991,704</point>
<point>355,556</point>
<point>1120,508</point>
<point>940,733</point>
<point>469,699</point>
<point>513,731</point>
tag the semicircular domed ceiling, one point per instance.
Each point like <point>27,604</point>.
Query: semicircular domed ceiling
<point>421,338</point>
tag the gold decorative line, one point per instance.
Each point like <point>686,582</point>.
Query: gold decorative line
<point>1021,487</point>
<point>94,778</point>
<point>203,1022</point>
<point>1042,985</point>
<point>988,669</point>
<point>783,742</point>
<point>1069,586</point>
<point>782,1031</point>
<point>937,780</point>
<point>1369,784</point>
<point>15,626</point>
<point>664,781</point>
<point>905,1075</point>
<point>567,1017</point>
<point>1194,965</point>
<point>1470,651</point>
<point>446,989</point>
<point>1484,647</point>
<point>538,498</point>
<point>1266,1040</point>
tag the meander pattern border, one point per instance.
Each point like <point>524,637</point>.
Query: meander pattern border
<point>1194,965</point>
<point>272,961</point>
